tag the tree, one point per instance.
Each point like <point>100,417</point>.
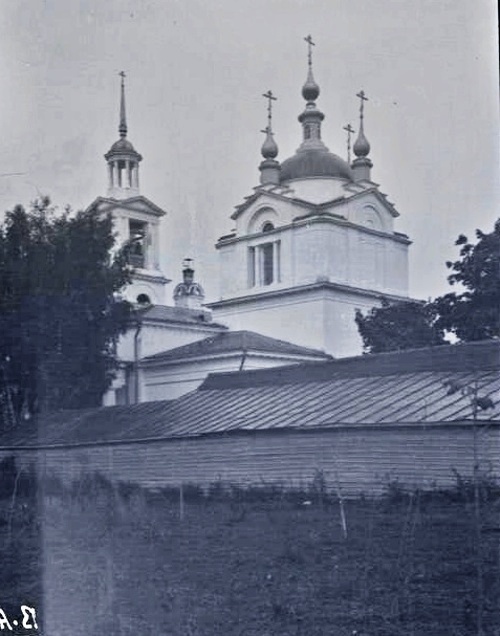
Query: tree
<point>60,317</point>
<point>475,313</point>
<point>398,326</point>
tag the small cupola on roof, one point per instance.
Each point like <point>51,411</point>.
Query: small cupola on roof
<point>313,159</point>
<point>123,160</point>
<point>189,293</point>
<point>269,167</point>
<point>362,164</point>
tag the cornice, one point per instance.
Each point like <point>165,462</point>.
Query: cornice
<point>308,288</point>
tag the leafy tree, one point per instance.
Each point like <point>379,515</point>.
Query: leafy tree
<point>398,326</point>
<point>60,317</point>
<point>474,314</point>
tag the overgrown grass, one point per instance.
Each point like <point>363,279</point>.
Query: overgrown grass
<point>261,560</point>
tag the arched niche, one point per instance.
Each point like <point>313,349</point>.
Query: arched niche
<point>262,219</point>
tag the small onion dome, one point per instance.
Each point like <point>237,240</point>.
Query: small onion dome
<point>315,163</point>
<point>361,146</point>
<point>310,90</point>
<point>188,289</point>
<point>269,148</point>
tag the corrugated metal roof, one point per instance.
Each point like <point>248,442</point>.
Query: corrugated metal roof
<point>236,341</point>
<point>371,390</point>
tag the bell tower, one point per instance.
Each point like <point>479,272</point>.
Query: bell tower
<point>136,219</point>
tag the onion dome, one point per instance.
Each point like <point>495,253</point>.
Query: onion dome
<point>362,164</point>
<point>269,167</point>
<point>313,159</point>
<point>310,90</point>
<point>315,163</point>
<point>189,293</point>
<point>269,148</point>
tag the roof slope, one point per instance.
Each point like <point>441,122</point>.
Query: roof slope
<point>178,315</point>
<point>370,391</point>
<point>232,341</point>
<point>450,358</point>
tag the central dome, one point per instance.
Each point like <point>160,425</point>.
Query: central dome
<point>315,163</point>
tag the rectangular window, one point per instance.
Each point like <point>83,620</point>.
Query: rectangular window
<point>251,267</point>
<point>263,264</point>
<point>267,252</point>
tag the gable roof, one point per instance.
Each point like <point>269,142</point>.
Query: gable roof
<point>108,203</point>
<point>373,391</point>
<point>282,194</point>
<point>236,341</point>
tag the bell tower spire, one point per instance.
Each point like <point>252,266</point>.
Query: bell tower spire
<point>123,160</point>
<point>122,128</point>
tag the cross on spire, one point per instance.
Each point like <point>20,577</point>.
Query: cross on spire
<point>310,44</point>
<point>270,98</point>
<point>349,129</point>
<point>363,99</point>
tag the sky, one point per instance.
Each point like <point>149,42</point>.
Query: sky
<point>196,71</point>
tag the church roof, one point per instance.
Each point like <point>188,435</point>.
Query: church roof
<point>236,341</point>
<point>123,147</point>
<point>404,388</point>
<point>178,315</point>
<point>315,163</point>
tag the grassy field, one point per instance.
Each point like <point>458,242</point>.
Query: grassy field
<point>249,563</point>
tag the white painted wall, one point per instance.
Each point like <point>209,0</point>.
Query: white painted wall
<point>169,381</point>
<point>321,319</point>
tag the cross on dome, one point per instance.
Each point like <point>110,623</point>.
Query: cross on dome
<point>349,129</point>
<point>310,90</point>
<point>310,44</point>
<point>269,148</point>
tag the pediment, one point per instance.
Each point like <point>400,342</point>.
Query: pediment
<point>136,204</point>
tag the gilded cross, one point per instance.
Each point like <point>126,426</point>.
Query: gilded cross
<point>349,129</point>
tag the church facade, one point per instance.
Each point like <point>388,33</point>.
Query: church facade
<point>313,243</point>
<point>157,359</point>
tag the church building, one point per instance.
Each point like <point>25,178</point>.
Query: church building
<point>170,349</point>
<point>313,243</point>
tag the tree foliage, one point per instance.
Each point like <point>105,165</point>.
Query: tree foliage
<point>474,314</point>
<point>60,317</point>
<point>398,326</point>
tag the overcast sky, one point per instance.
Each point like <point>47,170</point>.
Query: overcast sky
<point>196,70</point>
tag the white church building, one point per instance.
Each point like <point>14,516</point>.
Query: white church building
<point>313,242</point>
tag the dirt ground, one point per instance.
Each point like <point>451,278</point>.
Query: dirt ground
<point>126,563</point>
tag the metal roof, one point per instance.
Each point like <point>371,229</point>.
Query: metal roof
<point>368,391</point>
<point>236,341</point>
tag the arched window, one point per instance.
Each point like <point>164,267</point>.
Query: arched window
<point>267,227</point>
<point>143,299</point>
